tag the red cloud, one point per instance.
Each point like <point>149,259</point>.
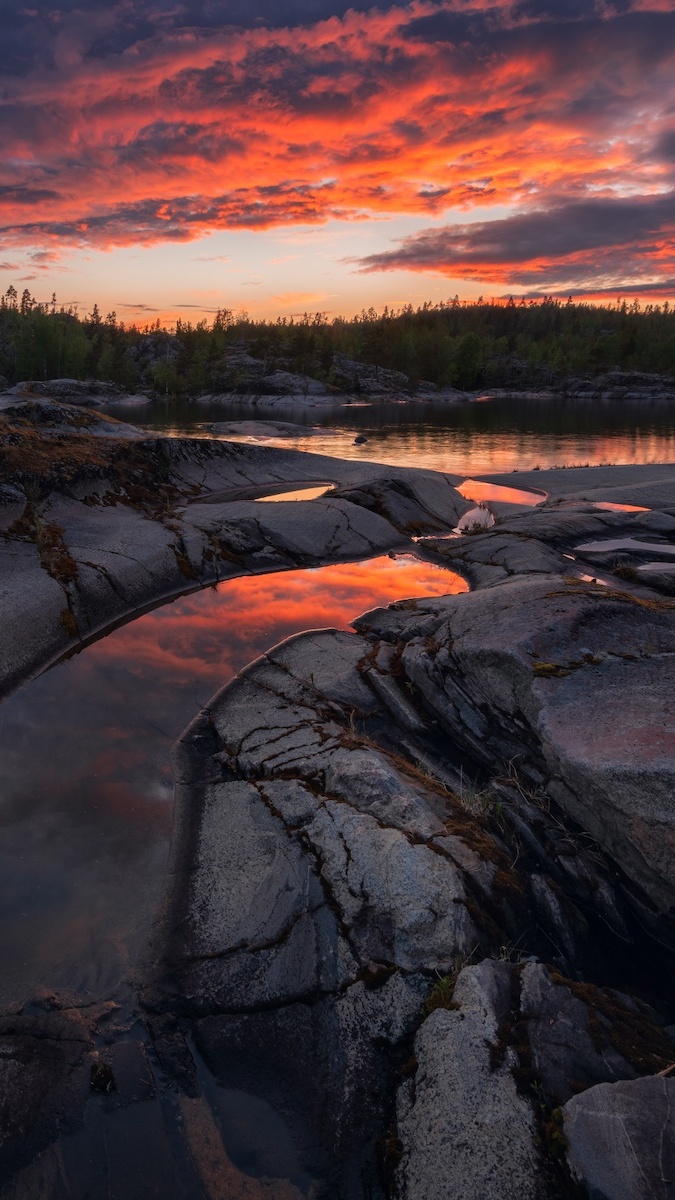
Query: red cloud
<point>414,109</point>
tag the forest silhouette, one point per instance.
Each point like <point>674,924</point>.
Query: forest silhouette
<point>519,344</point>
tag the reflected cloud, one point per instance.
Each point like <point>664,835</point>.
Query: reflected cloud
<point>85,780</point>
<point>203,638</point>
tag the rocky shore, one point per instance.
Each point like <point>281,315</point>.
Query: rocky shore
<point>420,904</point>
<point>254,387</point>
<point>99,520</point>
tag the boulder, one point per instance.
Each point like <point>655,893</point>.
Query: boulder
<point>515,671</point>
<point>621,1139</point>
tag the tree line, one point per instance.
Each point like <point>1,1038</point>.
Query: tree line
<point>451,343</point>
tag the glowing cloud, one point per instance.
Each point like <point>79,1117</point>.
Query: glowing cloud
<point>132,124</point>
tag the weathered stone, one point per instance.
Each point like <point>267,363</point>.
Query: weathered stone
<point>365,780</point>
<point>464,1129</point>
<point>565,1056</point>
<point>46,1054</point>
<point>420,504</point>
<point>527,658</point>
<point>621,1139</point>
<point>400,903</point>
<point>257,929</point>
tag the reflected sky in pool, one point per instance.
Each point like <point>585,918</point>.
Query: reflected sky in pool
<point>85,783</point>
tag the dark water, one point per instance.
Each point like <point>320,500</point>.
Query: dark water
<point>475,438</point>
<point>85,784</point>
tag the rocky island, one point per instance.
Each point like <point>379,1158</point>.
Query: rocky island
<point>419,908</point>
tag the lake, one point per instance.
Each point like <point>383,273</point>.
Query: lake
<point>481,437</point>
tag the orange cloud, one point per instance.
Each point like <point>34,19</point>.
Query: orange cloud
<point>130,134</point>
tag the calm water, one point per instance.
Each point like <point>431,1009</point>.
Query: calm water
<point>477,438</point>
<point>85,783</point>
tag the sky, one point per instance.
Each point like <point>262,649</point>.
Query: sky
<point>167,158</point>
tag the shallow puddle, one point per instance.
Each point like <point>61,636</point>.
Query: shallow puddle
<point>307,492</point>
<point>663,568</point>
<point>593,579</point>
<point>476,489</point>
<point>85,782</point>
<point>611,506</point>
<point>628,544</point>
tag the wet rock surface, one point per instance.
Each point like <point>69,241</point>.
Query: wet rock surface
<point>418,922</point>
<point>98,519</point>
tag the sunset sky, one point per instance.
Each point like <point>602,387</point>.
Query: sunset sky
<point>167,159</point>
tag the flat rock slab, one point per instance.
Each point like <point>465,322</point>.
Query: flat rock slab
<point>650,484</point>
<point>621,1139</point>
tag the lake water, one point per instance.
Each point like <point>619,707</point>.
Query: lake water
<point>484,437</point>
<point>86,799</point>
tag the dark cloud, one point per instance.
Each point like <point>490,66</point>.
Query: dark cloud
<point>136,307</point>
<point>665,147</point>
<point>182,219</point>
<point>199,306</point>
<point>180,140</point>
<point>38,33</point>
<point>556,10</point>
<point>453,28</point>
<point>26,195</point>
<point>664,287</point>
<point>590,238</point>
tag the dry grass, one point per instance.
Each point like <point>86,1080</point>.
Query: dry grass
<point>592,591</point>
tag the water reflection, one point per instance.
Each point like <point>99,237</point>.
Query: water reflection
<point>299,493</point>
<point>503,435</point>
<point>476,489</point>
<point>612,506</point>
<point>85,785</point>
<point>611,545</point>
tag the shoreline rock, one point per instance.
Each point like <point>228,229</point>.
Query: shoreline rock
<point>353,382</point>
<point>307,857</point>
<point>99,521</point>
<point>420,897</point>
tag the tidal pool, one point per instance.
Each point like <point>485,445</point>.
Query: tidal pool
<point>85,783</point>
<point>306,492</point>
